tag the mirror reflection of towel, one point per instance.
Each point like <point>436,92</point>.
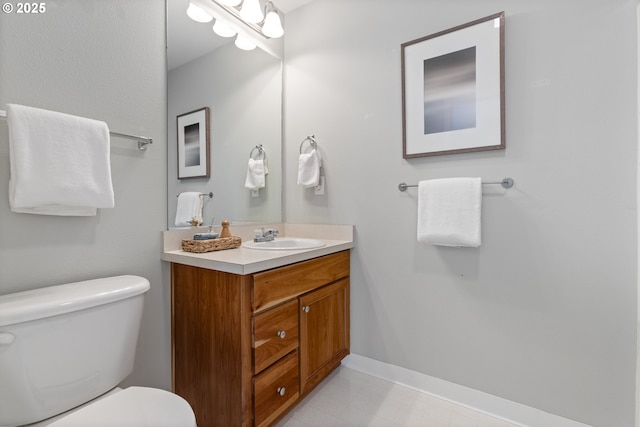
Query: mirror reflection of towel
<point>256,172</point>
<point>449,211</point>
<point>309,169</point>
<point>190,206</point>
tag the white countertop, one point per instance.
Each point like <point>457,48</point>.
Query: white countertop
<point>246,261</point>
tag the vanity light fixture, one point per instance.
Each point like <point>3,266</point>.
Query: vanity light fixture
<point>222,29</point>
<point>272,26</point>
<point>246,13</point>
<point>197,14</point>
<point>251,11</point>
<point>244,43</point>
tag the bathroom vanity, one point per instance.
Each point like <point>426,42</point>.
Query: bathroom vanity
<point>256,333</point>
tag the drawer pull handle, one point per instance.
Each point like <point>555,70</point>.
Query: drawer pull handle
<point>305,308</point>
<point>281,391</point>
<point>282,334</point>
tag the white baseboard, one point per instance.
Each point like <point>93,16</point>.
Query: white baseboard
<point>494,406</point>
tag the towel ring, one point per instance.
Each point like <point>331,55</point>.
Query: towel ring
<point>312,141</point>
<point>260,151</point>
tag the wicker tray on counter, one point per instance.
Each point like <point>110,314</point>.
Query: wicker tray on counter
<point>219,244</point>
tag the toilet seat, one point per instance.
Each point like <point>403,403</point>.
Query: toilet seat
<point>133,406</point>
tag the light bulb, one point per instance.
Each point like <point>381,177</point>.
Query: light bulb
<point>197,14</point>
<point>222,29</point>
<point>251,11</point>
<point>272,26</point>
<point>244,43</point>
<point>230,2</point>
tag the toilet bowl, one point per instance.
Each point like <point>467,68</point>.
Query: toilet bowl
<point>63,351</point>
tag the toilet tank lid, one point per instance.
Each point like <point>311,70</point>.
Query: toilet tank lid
<point>50,301</point>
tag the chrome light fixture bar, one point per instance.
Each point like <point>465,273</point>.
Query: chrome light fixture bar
<point>266,23</point>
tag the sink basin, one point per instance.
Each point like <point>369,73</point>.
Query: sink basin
<point>285,244</point>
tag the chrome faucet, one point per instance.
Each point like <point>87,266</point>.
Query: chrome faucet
<point>263,235</point>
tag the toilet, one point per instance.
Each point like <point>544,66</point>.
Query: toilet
<point>63,351</point>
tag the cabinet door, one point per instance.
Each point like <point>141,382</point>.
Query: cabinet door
<point>324,332</point>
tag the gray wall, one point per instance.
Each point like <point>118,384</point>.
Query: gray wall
<point>544,312</point>
<point>103,60</point>
<point>243,90</point>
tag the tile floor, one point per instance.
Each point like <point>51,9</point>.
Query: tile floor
<point>348,398</point>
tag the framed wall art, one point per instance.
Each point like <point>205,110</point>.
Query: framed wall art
<point>193,144</point>
<point>453,90</point>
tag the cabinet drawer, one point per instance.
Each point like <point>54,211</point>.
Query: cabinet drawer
<point>275,333</point>
<point>280,284</point>
<point>275,390</point>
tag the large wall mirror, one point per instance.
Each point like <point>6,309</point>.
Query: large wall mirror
<point>243,91</point>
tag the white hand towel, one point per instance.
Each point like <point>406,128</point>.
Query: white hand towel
<point>256,172</point>
<point>449,211</point>
<point>190,206</point>
<point>309,169</point>
<point>60,163</point>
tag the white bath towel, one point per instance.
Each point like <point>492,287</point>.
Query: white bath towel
<point>449,211</point>
<point>60,163</point>
<point>309,169</point>
<point>190,206</point>
<point>256,172</point>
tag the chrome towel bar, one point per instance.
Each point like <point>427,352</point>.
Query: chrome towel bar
<point>143,141</point>
<point>210,194</point>
<point>506,183</point>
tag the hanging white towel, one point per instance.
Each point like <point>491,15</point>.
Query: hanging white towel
<point>60,163</point>
<point>449,211</point>
<point>190,206</point>
<point>309,169</point>
<point>256,172</point>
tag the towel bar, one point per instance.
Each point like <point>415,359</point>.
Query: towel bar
<point>203,195</point>
<point>143,141</point>
<point>506,183</point>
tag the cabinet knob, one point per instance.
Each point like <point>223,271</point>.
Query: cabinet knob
<point>305,308</point>
<point>282,334</point>
<point>281,391</point>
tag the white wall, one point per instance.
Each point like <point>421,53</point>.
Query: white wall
<point>104,60</point>
<point>544,312</point>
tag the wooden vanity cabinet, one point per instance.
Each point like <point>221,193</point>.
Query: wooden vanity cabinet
<point>246,348</point>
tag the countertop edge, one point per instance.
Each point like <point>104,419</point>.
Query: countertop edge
<point>260,260</point>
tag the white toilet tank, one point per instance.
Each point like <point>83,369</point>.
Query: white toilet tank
<point>63,345</point>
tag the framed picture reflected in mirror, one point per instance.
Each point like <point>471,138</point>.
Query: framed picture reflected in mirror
<point>193,144</point>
